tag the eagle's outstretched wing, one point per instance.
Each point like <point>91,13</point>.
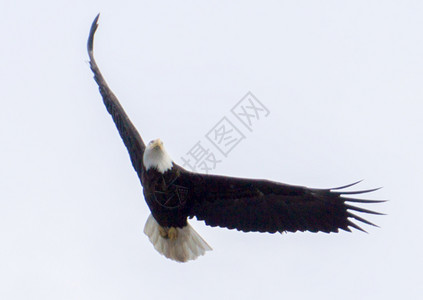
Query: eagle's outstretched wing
<point>127,130</point>
<point>266,206</point>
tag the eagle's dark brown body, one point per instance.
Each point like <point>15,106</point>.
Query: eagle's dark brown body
<point>166,196</point>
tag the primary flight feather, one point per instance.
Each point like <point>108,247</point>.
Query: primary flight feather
<point>174,194</point>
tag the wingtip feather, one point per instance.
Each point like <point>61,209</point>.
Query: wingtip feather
<point>352,224</point>
<point>93,29</point>
<point>358,192</point>
<point>351,215</point>
<point>346,186</point>
<point>346,199</point>
<point>363,210</point>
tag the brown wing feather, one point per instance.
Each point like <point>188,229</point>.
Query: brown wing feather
<point>127,130</point>
<point>266,206</point>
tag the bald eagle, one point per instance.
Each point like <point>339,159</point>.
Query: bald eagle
<point>174,194</point>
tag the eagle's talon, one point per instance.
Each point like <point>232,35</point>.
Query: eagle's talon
<point>163,232</point>
<point>172,233</point>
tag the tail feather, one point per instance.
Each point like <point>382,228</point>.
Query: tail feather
<point>187,246</point>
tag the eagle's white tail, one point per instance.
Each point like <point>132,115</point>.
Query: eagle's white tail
<point>187,246</point>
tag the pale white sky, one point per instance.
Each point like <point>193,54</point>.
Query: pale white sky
<point>342,81</point>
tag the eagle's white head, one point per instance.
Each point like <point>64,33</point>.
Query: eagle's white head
<point>155,156</point>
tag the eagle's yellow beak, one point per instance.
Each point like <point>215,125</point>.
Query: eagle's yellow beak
<point>157,144</point>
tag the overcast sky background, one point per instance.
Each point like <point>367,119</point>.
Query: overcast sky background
<point>342,81</point>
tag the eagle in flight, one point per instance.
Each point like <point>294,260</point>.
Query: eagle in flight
<point>174,194</point>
